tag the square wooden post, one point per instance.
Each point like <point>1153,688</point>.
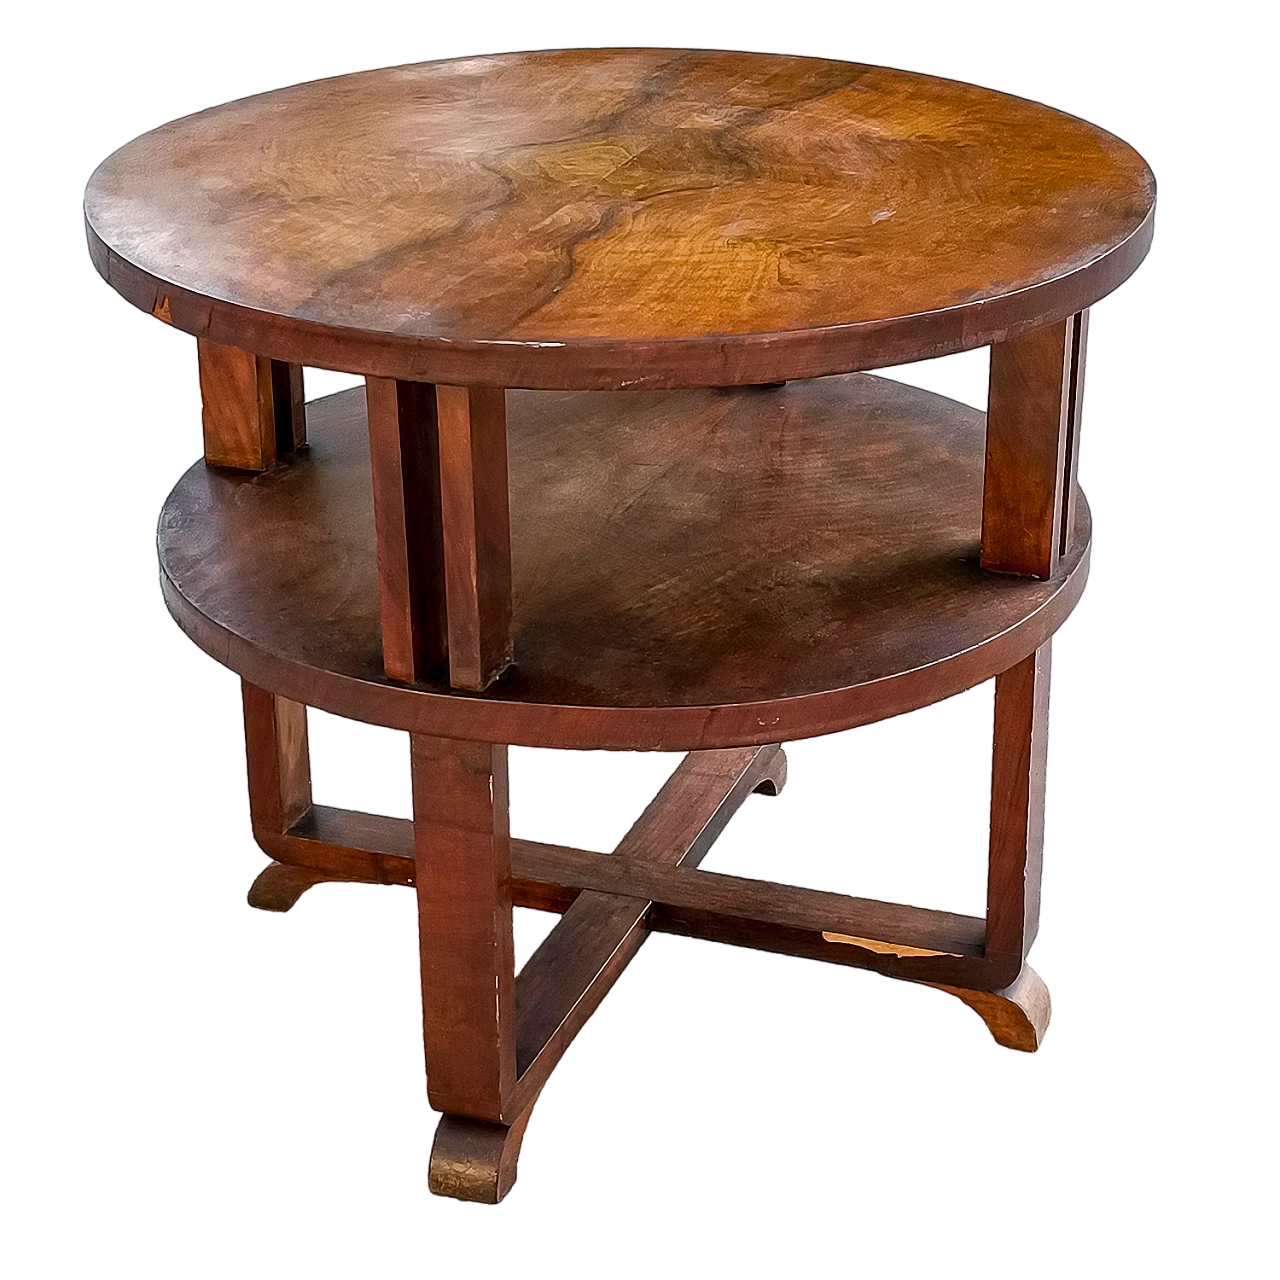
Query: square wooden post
<point>463,875</point>
<point>254,408</point>
<point>275,734</point>
<point>439,461</point>
<point>1033,419</point>
<point>1019,755</point>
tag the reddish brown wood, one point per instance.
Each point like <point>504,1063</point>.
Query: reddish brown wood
<point>621,217</point>
<point>275,732</point>
<point>405,464</point>
<point>439,463</point>
<point>1017,814</point>
<point>721,569</point>
<point>254,410</point>
<point>683,894</point>
<point>1033,409</point>
<point>463,876</point>
<point>238,408</point>
<point>571,971</point>
<point>891,960</point>
<point>565,979</point>
<point>340,845</point>
<point>476,524</point>
<point>691,569</point>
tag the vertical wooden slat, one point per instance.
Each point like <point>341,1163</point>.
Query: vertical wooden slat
<point>238,411</point>
<point>1019,755</point>
<point>404,454</point>
<point>275,731</point>
<point>477,532</point>
<point>289,403</point>
<point>1029,420</point>
<point>439,458</point>
<point>253,410</point>
<point>1075,403</point>
<point>463,877</point>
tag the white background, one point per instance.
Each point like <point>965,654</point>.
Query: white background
<point>192,1088</point>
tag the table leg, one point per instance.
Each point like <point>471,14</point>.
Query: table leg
<point>1016,1005</point>
<point>463,878</point>
<point>439,459</point>
<point>254,410</point>
<point>1033,419</point>
<point>279,760</point>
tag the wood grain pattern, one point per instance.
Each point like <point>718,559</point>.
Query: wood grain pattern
<point>476,532</point>
<point>578,962</point>
<point>692,569</point>
<point>1019,759</point>
<point>254,410</point>
<point>342,845</point>
<point>238,409</point>
<point>686,893</point>
<point>573,969</point>
<point>463,878</point>
<point>404,459</point>
<point>1033,413</point>
<point>626,217</point>
<point>278,757</point>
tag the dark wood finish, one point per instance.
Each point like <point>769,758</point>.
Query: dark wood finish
<point>580,959</point>
<point>683,891</point>
<point>616,218</point>
<point>404,457</point>
<point>439,463</point>
<point>492,1043</point>
<point>897,938</point>
<point>289,405</point>
<point>1017,813</point>
<point>463,878</point>
<point>1033,411</point>
<point>694,569</point>
<point>254,409</point>
<point>476,523</point>
<point>716,569</point>
<point>475,1159</point>
<point>278,886</point>
<point>569,974</point>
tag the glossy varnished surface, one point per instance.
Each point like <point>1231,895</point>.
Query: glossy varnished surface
<point>619,217</point>
<point>689,569</point>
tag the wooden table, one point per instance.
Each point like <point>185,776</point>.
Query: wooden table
<point>614,481</point>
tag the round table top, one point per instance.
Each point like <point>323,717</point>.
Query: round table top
<point>613,218</point>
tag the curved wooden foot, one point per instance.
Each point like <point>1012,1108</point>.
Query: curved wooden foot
<point>774,777</point>
<point>279,886</point>
<point>475,1159</point>
<point>1018,1016</point>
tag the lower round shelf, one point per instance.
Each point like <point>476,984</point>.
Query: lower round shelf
<point>690,569</point>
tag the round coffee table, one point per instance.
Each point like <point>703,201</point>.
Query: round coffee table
<point>615,480</point>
